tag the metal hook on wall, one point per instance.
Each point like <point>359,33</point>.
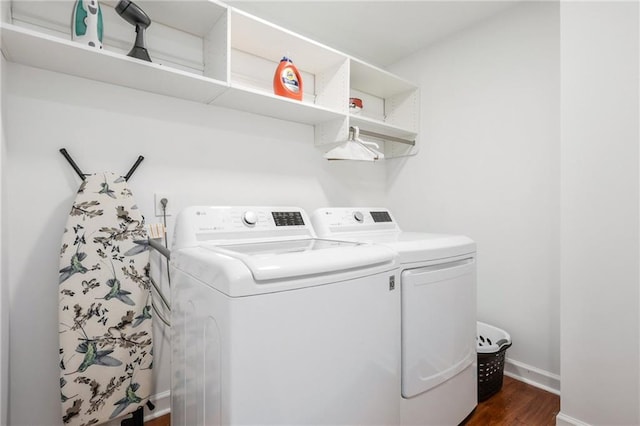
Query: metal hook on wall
<point>134,167</point>
<point>75,167</point>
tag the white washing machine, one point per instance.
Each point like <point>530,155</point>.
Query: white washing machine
<point>438,286</point>
<point>271,325</point>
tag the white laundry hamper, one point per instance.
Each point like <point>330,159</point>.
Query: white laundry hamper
<point>491,346</point>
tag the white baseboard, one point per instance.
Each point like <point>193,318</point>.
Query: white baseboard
<point>162,401</point>
<point>532,376</point>
<point>564,420</point>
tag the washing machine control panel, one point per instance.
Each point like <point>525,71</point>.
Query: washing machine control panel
<point>381,216</point>
<point>204,223</point>
<point>288,218</point>
<point>294,218</point>
<point>250,218</point>
<point>329,221</point>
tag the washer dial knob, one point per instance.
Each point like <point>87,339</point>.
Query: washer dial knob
<point>358,216</point>
<point>249,218</point>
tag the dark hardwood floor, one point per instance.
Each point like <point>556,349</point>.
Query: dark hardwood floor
<point>160,421</point>
<point>517,404</point>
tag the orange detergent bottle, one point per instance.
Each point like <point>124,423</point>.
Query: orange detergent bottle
<point>287,81</point>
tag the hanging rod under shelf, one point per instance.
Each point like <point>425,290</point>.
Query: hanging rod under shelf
<point>387,137</point>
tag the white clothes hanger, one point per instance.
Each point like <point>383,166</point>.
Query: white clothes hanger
<point>355,148</point>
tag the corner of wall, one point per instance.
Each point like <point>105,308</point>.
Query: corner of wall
<point>533,376</point>
<point>608,155</point>
<point>4,299</point>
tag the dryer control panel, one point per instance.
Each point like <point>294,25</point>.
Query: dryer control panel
<point>329,221</point>
<point>220,224</point>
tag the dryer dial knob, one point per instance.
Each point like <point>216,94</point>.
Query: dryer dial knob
<point>250,218</point>
<point>358,216</point>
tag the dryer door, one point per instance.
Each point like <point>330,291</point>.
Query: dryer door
<point>438,323</point>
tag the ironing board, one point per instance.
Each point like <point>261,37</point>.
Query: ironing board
<point>105,327</point>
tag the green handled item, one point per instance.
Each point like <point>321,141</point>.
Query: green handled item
<point>86,23</point>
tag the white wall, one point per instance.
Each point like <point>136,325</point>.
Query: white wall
<point>488,167</point>
<point>198,154</point>
<point>491,165</point>
<point>600,217</point>
<point>4,287</point>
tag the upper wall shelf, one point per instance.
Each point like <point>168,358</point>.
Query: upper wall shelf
<point>43,51</point>
<point>376,81</point>
<point>207,52</point>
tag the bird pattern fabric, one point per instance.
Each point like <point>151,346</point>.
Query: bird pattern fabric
<point>105,323</point>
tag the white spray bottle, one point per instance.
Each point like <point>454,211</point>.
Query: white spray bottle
<point>86,23</point>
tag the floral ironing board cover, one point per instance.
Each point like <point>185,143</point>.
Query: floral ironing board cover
<point>106,349</point>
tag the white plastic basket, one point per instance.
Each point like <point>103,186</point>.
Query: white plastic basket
<point>491,339</point>
<point>492,345</point>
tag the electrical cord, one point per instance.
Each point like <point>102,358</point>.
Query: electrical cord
<point>164,301</point>
<point>159,315</point>
<point>163,203</point>
<point>165,304</point>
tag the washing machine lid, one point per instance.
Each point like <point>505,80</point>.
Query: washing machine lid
<point>277,260</point>
<point>418,246</point>
<point>377,225</point>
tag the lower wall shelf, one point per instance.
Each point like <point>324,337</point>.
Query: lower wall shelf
<point>274,106</point>
<point>376,126</point>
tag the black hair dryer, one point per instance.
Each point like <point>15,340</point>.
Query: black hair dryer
<point>132,13</point>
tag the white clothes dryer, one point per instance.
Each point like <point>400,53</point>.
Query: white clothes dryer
<point>438,286</point>
<point>271,325</point>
